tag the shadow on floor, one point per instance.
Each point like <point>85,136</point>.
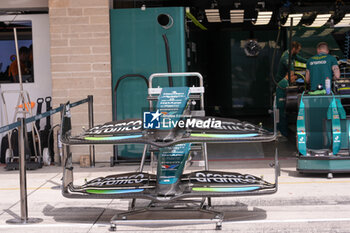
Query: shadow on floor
<point>295,173</point>
<point>291,172</point>
<point>236,212</point>
<point>75,214</point>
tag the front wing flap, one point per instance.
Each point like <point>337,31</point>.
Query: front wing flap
<point>195,184</point>
<point>130,131</point>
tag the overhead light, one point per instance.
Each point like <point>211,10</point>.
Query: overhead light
<point>237,16</point>
<point>213,15</point>
<point>264,18</point>
<point>345,22</point>
<point>296,20</point>
<point>319,21</point>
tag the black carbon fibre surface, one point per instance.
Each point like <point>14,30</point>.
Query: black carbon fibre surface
<point>146,139</point>
<point>72,192</point>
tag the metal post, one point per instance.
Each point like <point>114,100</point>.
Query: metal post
<point>59,144</point>
<point>290,49</point>
<point>144,153</point>
<point>18,60</point>
<point>205,153</point>
<point>206,163</point>
<point>67,168</point>
<point>23,170</point>
<point>23,178</point>
<point>91,124</point>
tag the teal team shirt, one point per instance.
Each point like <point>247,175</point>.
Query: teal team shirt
<point>283,64</point>
<point>281,93</point>
<point>320,67</point>
<point>282,125</point>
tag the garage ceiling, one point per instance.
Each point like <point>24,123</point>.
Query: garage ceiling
<point>280,8</point>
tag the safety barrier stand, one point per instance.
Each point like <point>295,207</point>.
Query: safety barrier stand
<point>22,131</point>
<point>23,178</point>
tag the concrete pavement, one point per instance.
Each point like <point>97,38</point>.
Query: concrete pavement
<point>308,203</point>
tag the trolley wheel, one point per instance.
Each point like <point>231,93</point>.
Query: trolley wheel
<point>218,226</point>
<point>330,175</point>
<point>46,157</point>
<point>8,155</point>
<point>113,227</point>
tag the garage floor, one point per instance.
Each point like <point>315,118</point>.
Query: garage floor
<point>309,203</point>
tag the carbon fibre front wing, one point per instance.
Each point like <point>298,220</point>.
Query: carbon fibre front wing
<point>195,184</point>
<point>147,139</point>
<point>130,131</point>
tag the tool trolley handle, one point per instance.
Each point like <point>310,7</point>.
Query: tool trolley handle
<point>48,108</point>
<point>186,74</point>
<point>40,102</point>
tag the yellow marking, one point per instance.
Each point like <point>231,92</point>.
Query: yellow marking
<point>316,182</point>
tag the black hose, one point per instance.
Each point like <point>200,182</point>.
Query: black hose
<point>168,61</point>
<point>290,50</point>
<point>115,99</point>
<point>273,60</point>
<point>117,84</point>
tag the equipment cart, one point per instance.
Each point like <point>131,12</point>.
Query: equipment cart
<point>323,134</point>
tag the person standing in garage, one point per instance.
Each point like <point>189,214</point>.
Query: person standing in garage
<point>282,125</point>
<point>283,64</point>
<point>283,83</point>
<point>320,67</point>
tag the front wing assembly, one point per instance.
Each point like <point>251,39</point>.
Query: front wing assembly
<point>132,131</point>
<point>196,184</point>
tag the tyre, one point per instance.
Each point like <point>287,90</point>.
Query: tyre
<point>8,155</point>
<point>46,157</point>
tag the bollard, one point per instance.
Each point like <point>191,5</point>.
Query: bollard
<point>23,171</point>
<point>23,179</point>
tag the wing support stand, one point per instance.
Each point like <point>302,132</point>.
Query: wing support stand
<point>126,218</point>
<point>159,203</point>
<point>202,208</point>
<point>129,217</point>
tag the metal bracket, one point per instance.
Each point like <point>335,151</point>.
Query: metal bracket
<point>129,217</point>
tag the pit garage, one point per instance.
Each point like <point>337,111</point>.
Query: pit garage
<point>174,115</point>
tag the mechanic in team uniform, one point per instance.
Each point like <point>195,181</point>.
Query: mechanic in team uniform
<point>320,67</point>
<point>283,64</point>
<point>282,125</point>
<point>282,79</point>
